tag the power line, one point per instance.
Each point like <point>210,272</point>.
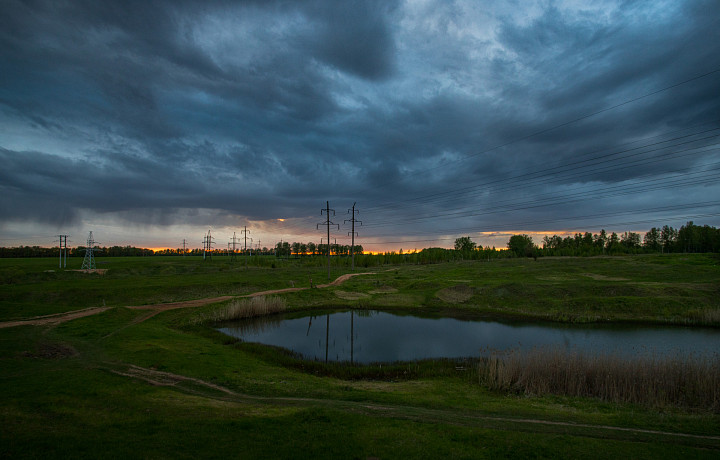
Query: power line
<point>552,128</point>
<point>539,174</point>
<point>523,224</point>
<point>549,200</point>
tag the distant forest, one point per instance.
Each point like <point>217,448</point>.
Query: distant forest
<point>690,238</point>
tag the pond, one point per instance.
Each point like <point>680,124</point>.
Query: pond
<point>376,336</point>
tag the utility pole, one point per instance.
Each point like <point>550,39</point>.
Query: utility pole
<point>328,223</point>
<point>352,245</point>
<point>184,250</point>
<point>245,231</point>
<point>63,251</point>
<point>89,261</point>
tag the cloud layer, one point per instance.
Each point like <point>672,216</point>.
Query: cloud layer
<point>438,118</point>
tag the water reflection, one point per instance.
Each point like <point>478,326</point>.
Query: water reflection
<point>375,336</point>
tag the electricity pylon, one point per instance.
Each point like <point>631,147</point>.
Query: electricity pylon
<point>89,261</point>
<point>328,223</point>
<point>233,241</point>
<point>245,231</point>
<point>207,246</point>
<point>352,245</point>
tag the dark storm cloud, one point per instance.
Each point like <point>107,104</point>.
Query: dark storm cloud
<point>264,109</point>
<point>355,37</point>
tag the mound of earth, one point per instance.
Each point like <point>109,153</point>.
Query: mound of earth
<point>597,277</point>
<point>383,290</point>
<point>345,295</point>
<point>456,294</point>
<point>52,351</point>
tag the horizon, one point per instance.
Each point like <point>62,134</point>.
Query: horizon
<point>537,238</point>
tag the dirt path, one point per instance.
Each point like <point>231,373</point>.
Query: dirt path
<point>211,390</point>
<point>54,319</point>
<point>156,308</point>
<point>340,279</point>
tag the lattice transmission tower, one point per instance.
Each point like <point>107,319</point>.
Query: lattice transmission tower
<point>89,261</point>
<point>353,233</point>
<point>207,246</point>
<point>328,223</point>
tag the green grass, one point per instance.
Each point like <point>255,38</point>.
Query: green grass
<point>65,395</point>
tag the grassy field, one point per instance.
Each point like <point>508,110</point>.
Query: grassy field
<point>124,383</point>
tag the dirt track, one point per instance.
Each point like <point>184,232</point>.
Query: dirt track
<point>337,282</point>
<point>156,308</point>
<point>210,390</point>
<point>54,319</point>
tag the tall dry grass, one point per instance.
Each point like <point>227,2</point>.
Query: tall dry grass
<point>245,308</point>
<point>689,382</point>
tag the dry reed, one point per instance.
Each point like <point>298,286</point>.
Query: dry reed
<point>246,308</point>
<point>688,382</point>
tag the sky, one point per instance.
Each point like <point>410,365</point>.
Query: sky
<point>153,122</point>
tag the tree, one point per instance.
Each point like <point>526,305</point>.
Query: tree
<point>652,239</point>
<point>601,239</point>
<point>630,240</point>
<point>521,245</point>
<point>464,244</point>
<point>668,236</point>
<point>613,242</point>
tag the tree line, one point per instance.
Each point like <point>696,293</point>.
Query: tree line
<point>666,239</point>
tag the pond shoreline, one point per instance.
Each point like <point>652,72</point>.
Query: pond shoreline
<point>411,332</point>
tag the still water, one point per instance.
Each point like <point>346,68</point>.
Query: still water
<point>376,336</point>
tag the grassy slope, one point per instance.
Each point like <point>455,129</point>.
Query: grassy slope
<point>57,402</point>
